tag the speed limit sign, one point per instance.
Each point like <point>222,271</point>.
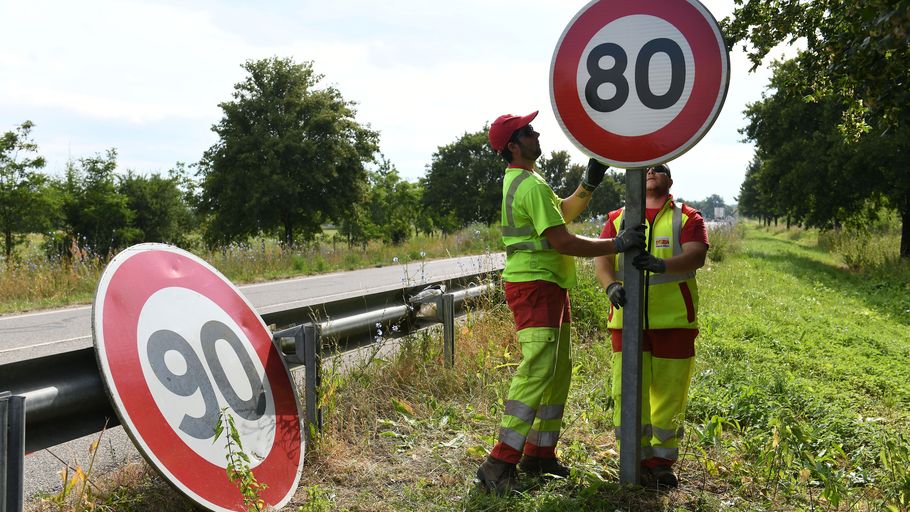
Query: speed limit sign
<point>639,82</point>
<point>177,344</point>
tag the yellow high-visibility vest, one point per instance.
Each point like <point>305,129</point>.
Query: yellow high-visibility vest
<point>672,299</point>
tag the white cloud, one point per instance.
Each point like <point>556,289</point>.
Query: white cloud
<point>146,76</point>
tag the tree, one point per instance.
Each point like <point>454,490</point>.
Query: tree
<point>806,171</point>
<point>24,203</point>
<point>96,215</point>
<point>394,204</point>
<point>560,173</point>
<point>857,62</point>
<point>289,156</point>
<point>159,206</point>
<point>463,183</point>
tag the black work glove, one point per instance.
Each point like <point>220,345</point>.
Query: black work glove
<point>649,262</point>
<point>594,174</point>
<point>632,238</point>
<point>617,295</point>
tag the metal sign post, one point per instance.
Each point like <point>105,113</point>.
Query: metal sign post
<point>635,83</point>
<point>634,283</point>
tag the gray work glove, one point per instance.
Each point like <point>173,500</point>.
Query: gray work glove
<point>632,238</point>
<point>594,174</point>
<point>649,262</point>
<point>617,295</point>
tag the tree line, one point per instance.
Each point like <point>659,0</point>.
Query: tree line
<point>290,158</point>
<point>832,133</point>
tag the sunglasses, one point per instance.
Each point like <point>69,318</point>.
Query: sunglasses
<point>525,131</point>
<point>661,170</point>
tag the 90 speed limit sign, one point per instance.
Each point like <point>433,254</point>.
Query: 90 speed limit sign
<point>639,82</point>
<point>177,344</point>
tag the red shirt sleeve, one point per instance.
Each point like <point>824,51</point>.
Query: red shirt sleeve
<point>694,230</point>
<point>609,230</point>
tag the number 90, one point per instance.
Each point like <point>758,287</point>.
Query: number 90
<point>196,378</point>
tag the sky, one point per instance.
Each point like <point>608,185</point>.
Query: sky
<point>146,76</point>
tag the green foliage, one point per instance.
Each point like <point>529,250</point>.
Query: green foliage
<point>24,202</point>
<point>463,183</point>
<point>807,172</point>
<point>238,464</point>
<point>724,241</point>
<point>289,157</point>
<point>96,215</point>
<point>160,210</point>
<point>834,134</point>
<point>857,50</point>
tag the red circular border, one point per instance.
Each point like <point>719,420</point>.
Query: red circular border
<point>133,282</point>
<point>709,82</point>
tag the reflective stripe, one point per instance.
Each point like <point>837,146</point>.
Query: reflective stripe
<point>539,245</point>
<point>670,278</point>
<point>665,434</point>
<point>645,431</point>
<point>510,198</point>
<point>550,412</point>
<point>665,453</point>
<point>547,439</point>
<point>513,231</point>
<point>520,411</point>
<point>646,453</point>
<point>677,230</point>
<point>512,438</point>
<point>677,250</point>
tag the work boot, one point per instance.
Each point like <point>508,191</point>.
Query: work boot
<point>658,477</point>
<point>665,477</point>
<point>496,476</point>
<point>540,466</point>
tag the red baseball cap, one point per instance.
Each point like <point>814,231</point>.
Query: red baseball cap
<point>505,125</point>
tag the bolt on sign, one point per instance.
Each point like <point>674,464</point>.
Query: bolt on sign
<point>177,344</point>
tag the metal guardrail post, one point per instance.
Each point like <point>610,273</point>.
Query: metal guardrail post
<point>12,452</point>
<point>447,306</point>
<point>312,357</point>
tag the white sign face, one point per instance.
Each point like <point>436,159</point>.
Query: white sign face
<point>635,83</point>
<point>177,344</point>
<point>634,71</point>
<point>203,363</point>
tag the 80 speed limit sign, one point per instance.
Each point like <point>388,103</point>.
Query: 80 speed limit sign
<point>177,344</point>
<point>639,82</point>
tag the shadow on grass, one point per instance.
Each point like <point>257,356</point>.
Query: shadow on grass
<point>562,495</point>
<point>888,294</point>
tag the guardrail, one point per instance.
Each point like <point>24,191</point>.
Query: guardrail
<point>62,396</point>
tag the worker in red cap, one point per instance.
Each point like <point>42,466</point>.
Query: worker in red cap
<point>539,271</point>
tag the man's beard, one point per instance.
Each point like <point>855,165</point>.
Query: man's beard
<point>529,152</point>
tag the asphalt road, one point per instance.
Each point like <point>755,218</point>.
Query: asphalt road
<point>39,333</point>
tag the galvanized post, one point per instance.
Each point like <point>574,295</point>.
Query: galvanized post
<point>447,304</point>
<point>633,282</point>
<point>312,354</point>
<point>12,452</point>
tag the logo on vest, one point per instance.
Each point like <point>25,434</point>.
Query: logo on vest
<point>662,242</point>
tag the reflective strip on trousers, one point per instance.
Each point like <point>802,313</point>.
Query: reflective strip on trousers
<point>520,410</point>
<point>665,453</point>
<point>538,438</point>
<point>512,438</point>
<point>667,434</point>
<point>550,412</point>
